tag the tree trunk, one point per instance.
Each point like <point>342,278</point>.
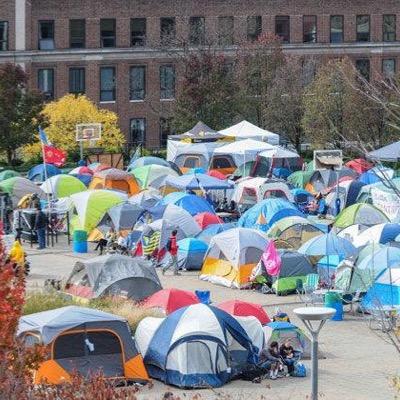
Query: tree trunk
<point>9,156</point>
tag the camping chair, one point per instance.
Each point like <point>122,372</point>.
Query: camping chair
<point>312,281</point>
<point>305,295</point>
<point>354,299</point>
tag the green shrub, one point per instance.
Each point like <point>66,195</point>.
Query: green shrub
<point>43,301</point>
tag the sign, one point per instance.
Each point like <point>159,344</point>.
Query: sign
<point>328,159</point>
<point>386,201</point>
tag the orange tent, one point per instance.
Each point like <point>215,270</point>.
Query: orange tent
<point>115,179</point>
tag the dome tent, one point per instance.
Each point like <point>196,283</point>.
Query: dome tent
<point>18,187</point>
<point>115,179</point>
<point>189,202</point>
<point>42,171</point>
<point>360,213</point>
<point>62,186</point>
<point>195,346</point>
<point>191,253</point>
<point>245,309</point>
<point>8,173</point>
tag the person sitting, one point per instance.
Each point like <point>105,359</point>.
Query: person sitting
<point>271,359</point>
<point>287,353</point>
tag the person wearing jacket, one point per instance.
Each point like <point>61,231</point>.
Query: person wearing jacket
<point>270,358</point>
<point>40,227</point>
<point>172,248</point>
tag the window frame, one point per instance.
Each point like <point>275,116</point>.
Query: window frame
<point>394,64</point>
<point>222,39</point>
<point>200,38</point>
<point>6,32</point>
<point>369,28</point>
<point>330,28</point>
<point>40,38</point>
<point>315,40</point>
<point>131,68</point>
<point>114,37</point>
<point>285,18</point>
<point>46,94</point>
<point>368,61</point>
<point>84,33</point>
<point>113,90</point>
<point>80,69</point>
<point>162,89</point>
<point>143,141</point>
<point>141,39</point>
<point>253,37</point>
<point>165,41</point>
<point>383,27</point>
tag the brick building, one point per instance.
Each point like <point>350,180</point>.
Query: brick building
<point>112,50</point>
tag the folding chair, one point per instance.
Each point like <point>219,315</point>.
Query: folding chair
<point>312,281</point>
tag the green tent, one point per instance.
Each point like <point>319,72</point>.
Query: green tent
<point>310,166</point>
<point>8,173</point>
<point>62,186</point>
<point>300,179</point>
<point>360,213</point>
<point>92,205</point>
<point>17,187</point>
<point>152,175</point>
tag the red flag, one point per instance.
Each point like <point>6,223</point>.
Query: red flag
<point>54,156</point>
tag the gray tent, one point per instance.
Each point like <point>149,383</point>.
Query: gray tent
<point>124,216</point>
<point>390,152</point>
<point>84,340</point>
<point>113,274</point>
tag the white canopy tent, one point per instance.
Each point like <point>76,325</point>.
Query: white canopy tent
<point>279,152</point>
<point>391,152</point>
<point>246,130</point>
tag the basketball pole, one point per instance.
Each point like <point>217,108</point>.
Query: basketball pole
<point>81,149</point>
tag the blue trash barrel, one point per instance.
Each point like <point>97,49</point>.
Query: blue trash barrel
<point>80,247</point>
<point>79,244</point>
<point>333,300</point>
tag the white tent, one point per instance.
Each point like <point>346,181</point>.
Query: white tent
<point>246,130</point>
<point>245,150</point>
<point>279,152</point>
<point>391,152</point>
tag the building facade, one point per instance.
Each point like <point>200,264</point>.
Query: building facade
<point>113,50</point>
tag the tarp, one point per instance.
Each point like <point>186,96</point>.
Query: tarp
<point>246,130</point>
<point>391,152</point>
<point>197,181</point>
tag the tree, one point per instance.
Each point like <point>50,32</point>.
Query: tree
<point>64,114</point>
<point>20,110</point>
<point>284,108</point>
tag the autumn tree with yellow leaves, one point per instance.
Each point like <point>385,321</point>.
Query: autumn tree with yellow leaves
<point>64,114</point>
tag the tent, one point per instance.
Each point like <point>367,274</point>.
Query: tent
<point>301,196</point>
<point>83,340</point>
<point>216,174</point>
<point>19,187</point>
<point>232,255</point>
<point>351,232</point>
<point>146,198</point>
<point>191,253</point>
<point>293,231</point>
<point>197,181</point>
<point>359,165</point>
<point>376,174</point>
<point>391,152</point>
<point>360,213</point>
<point>170,300</point>
<point>246,130</point>
<point>300,179</point>
<point>211,230</point>
<point>115,179</point>
<point>381,233</point>
<point>62,186</point>
<point>148,160</point>
<point>39,173</point>
<point>260,214</point>
<point>279,160</point>
<point>152,175</point>
<point>385,291</point>
<point>8,173</point>
<point>81,171</point>
<point>195,346</point>
<point>124,215</point>
<point>113,275</point>
<point>190,202</point>
<point>92,205</point>
<point>205,218</point>
<point>199,131</point>
<point>245,309</point>
<point>281,331</point>
<point>323,179</point>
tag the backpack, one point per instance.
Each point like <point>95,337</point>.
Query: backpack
<point>300,370</point>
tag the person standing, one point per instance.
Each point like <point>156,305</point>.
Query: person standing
<point>40,227</point>
<point>172,248</point>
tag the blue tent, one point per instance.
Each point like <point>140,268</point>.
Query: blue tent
<point>197,181</point>
<point>301,195</point>
<point>195,346</point>
<point>85,179</point>
<point>191,253</point>
<point>213,229</point>
<point>281,172</point>
<point>37,173</point>
<point>286,212</point>
<point>260,215</point>
<point>190,202</point>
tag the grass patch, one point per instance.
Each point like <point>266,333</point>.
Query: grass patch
<point>44,301</point>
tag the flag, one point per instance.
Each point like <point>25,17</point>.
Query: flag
<point>52,155</point>
<point>271,259</point>
<point>43,137</point>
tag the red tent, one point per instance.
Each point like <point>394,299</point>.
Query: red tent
<point>205,218</point>
<point>170,300</point>
<point>245,309</point>
<point>359,165</point>
<point>101,167</point>
<point>216,174</point>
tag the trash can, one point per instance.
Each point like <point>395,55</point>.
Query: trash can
<point>79,241</point>
<point>334,300</point>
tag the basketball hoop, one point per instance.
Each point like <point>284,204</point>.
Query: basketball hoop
<point>89,133</point>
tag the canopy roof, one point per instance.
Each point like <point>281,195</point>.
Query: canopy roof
<point>197,181</point>
<point>278,152</point>
<point>391,152</point>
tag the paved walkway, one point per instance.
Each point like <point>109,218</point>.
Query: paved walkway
<point>357,366</point>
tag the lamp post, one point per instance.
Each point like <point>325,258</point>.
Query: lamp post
<point>320,315</point>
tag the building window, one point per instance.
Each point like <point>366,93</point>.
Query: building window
<point>137,82</point>
<point>46,35</point>
<point>167,82</point>
<point>107,33</point>
<point>225,31</point>
<point>138,131</point>
<point>165,130</point>
<point>389,67</point>
<point>3,35</point>
<point>282,28</point>
<point>337,29</point>
<point>363,67</point>
<point>167,31</point>
<point>107,84</point>
<point>389,28</point>
<point>77,80</point>
<point>197,31</point>
<point>363,28</point>
<point>46,82</point>
<point>254,27</point>
<point>77,29</point>
<point>138,32</point>
<point>310,29</point>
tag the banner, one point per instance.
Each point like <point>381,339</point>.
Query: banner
<point>387,201</point>
<point>271,259</point>
<point>52,155</point>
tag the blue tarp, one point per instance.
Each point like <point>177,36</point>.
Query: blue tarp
<point>190,202</point>
<point>197,181</point>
